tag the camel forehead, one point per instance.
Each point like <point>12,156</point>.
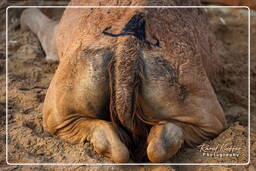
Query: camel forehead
<point>165,23</point>
<point>96,19</point>
<point>180,31</point>
<point>133,2</point>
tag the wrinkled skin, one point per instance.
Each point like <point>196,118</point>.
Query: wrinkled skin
<point>175,88</point>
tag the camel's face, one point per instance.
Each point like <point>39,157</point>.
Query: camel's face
<point>124,71</point>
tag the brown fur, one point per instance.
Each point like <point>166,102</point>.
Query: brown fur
<point>125,109</point>
<point>160,91</point>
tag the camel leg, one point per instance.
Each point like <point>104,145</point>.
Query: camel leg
<point>76,104</point>
<point>164,141</point>
<point>77,116</point>
<point>44,28</point>
<point>101,134</point>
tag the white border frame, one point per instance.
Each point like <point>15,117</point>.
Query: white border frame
<point>113,164</point>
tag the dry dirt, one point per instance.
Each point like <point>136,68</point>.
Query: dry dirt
<point>29,77</point>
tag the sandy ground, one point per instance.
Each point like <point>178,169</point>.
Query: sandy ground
<point>30,75</point>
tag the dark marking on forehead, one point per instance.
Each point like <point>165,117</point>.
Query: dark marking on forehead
<point>135,27</point>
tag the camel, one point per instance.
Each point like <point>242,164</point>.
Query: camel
<point>133,82</point>
<point>44,28</point>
